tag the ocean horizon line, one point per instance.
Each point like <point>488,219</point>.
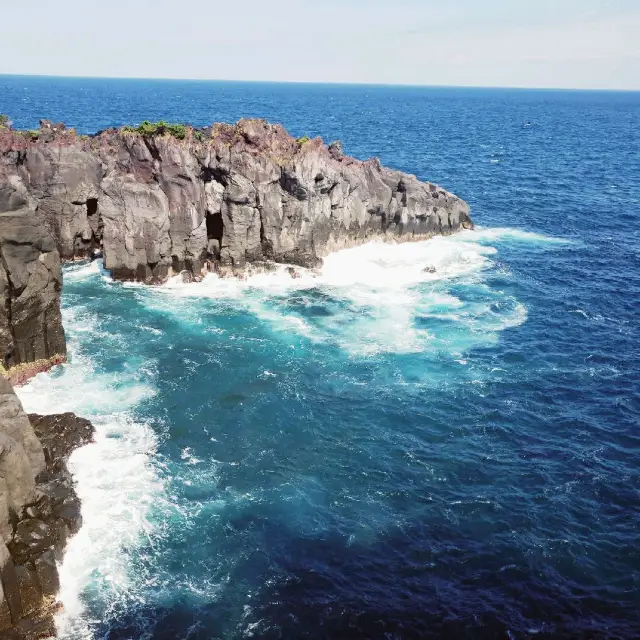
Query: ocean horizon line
<point>325,83</point>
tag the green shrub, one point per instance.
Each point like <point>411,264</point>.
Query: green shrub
<point>150,129</point>
<point>177,130</point>
<point>303,140</point>
<point>4,120</point>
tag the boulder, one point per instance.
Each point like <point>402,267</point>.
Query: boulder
<point>60,435</point>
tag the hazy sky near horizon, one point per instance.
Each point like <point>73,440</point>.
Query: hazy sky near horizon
<point>528,43</point>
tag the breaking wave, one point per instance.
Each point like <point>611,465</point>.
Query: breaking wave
<point>117,481</point>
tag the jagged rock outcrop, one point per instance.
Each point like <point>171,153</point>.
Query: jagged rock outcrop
<point>39,510</point>
<point>221,198</point>
<point>162,201</point>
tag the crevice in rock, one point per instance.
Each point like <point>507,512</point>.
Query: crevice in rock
<point>215,226</point>
<point>92,207</point>
<point>97,225</point>
<point>402,188</point>
<point>265,243</point>
<point>292,185</point>
<point>153,150</point>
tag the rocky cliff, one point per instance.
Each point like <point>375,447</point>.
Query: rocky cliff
<point>157,201</point>
<point>39,510</point>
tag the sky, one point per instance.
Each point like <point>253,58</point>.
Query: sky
<point>579,44</point>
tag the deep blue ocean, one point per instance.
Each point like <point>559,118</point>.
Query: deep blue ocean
<point>377,452</point>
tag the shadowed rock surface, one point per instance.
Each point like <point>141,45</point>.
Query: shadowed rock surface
<point>30,285</point>
<point>39,511</point>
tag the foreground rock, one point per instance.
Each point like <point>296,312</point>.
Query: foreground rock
<point>39,511</point>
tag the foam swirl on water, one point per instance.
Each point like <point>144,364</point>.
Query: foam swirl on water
<point>389,295</point>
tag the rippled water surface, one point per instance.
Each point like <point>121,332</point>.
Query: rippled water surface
<point>378,451</point>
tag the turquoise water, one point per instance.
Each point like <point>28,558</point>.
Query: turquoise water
<point>376,452</point>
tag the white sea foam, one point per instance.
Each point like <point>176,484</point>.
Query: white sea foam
<point>82,270</point>
<point>495,234</point>
<point>385,287</point>
<point>116,480</point>
<point>390,286</point>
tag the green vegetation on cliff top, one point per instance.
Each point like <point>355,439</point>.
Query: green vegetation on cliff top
<point>147,128</point>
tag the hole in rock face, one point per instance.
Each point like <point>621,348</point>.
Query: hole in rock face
<point>215,226</point>
<point>92,206</point>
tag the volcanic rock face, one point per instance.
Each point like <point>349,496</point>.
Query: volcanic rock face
<point>39,510</point>
<point>239,194</point>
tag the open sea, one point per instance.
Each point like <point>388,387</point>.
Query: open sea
<point>377,452</point>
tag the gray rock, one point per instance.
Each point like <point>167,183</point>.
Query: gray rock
<point>9,579</point>
<point>247,193</point>
<point>15,424</point>
<point>60,435</point>
<point>17,474</point>
<point>30,284</point>
<point>29,589</point>
<point>5,612</point>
